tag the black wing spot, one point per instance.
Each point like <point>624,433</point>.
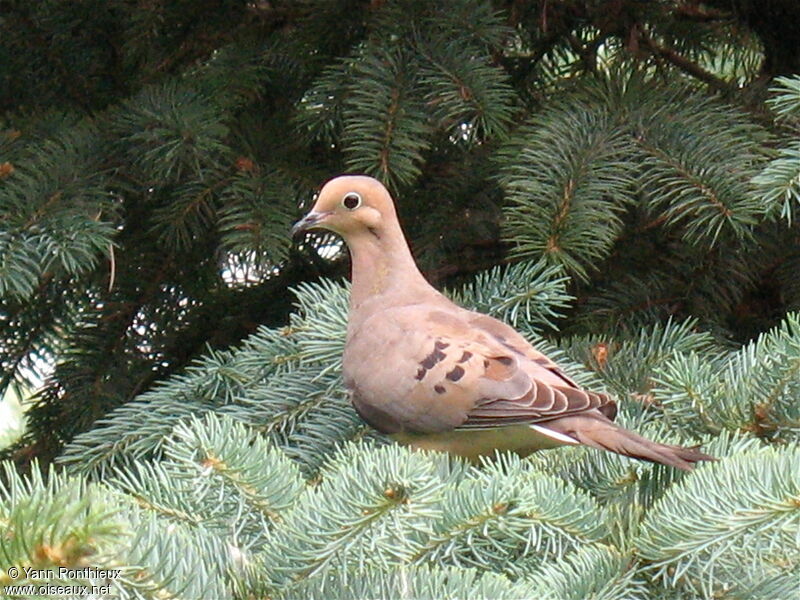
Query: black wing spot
<point>421,373</point>
<point>434,357</point>
<point>439,389</point>
<point>485,364</point>
<point>456,374</point>
<point>465,357</point>
<point>439,345</point>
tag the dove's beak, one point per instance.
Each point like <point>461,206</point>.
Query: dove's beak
<point>311,220</point>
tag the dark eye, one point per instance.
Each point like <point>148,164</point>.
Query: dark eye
<point>351,201</point>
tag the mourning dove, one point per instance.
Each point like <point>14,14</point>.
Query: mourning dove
<point>434,375</point>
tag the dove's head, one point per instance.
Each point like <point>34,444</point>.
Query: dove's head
<point>350,205</point>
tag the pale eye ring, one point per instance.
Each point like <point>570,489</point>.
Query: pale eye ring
<point>351,200</point>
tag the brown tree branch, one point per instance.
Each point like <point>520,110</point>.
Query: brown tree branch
<point>684,64</point>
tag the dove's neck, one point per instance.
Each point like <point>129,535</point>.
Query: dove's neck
<point>383,267</point>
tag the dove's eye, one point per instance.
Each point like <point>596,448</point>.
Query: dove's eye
<point>351,201</point>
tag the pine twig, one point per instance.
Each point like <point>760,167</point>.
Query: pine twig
<point>684,64</point>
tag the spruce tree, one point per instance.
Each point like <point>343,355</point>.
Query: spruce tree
<point>617,180</point>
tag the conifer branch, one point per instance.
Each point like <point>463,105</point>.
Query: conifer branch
<point>684,64</point>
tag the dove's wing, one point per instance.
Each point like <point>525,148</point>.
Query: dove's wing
<point>423,369</point>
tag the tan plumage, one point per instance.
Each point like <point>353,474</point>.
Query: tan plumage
<point>437,376</point>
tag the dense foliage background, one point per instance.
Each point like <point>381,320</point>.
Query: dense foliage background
<point>618,179</point>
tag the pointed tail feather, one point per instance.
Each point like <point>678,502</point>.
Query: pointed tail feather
<point>605,435</point>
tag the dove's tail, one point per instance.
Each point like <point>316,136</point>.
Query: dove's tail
<point>605,435</point>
